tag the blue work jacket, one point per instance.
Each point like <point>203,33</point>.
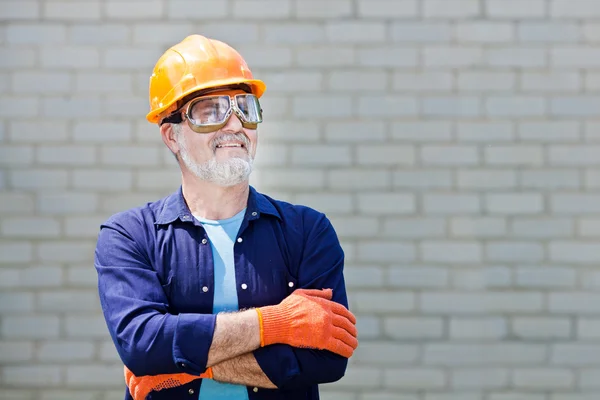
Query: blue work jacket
<point>156,285</point>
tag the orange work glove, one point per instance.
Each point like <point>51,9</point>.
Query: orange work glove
<point>309,318</point>
<point>140,387</point>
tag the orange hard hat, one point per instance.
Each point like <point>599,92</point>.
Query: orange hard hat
<point>194,64</point>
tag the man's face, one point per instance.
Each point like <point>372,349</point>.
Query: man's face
<point>223,157</point>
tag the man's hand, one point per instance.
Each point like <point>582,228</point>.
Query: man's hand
<point>309,318</point>
<point>140,387</point>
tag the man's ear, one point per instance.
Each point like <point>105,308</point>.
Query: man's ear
<point>168,136</point>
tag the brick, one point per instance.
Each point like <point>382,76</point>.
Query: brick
<point>514,203</point>
<point>417,277</point>
<point>452,396</point>
<point>124,107</point>
<point>515,106</point>
<point>572,155</point>
<point>323,10</point>
<point>423,179</point>
<point>355,32</point>
<point>543,328</point>
<point>451,9</point>
<point>415,378</point>
<point>106,33</point>
<point>574,57</point>
<point>332,155</point>
<point>70,57</point>
<point>68,300</point>
<point>548,32</point>
<point>483,354</point>
<point>592,84</point>
<point>478,328</point>
<point>573,303</point>
<point>13,351</point>
<point>15,252</point>
<point>414,227</point>
<point>484,32</point>
<point>452,56</point>
<point>27,33</point>
<point>506,155</point>
<point>85,326</point>
<point>40,276</point>
<point>32,376</point>
<point>236,34</point>
<point>542,378</point>
<point>80,227</point>
<point>66,155</point>
<point>18,107</point>
<point>11,57</point>
<point>100,131</point>
<point>357,81</point>
<point>65,351</point>
<point>69,395</point>
<point>363,277</point>
<point>588,328</point>
<point>129,58</point>
<point>357,179</point>
<point>386,203</point>
<point>378,106</point>
<point>551,82</point>
<point>421,32</point>
<point>382,353</point>
<point>329,203</point>
<point>37,131</point>
<point>368,327</point>
<point>100,179</point>
<point>376,302</point>
<point>423,81</point>
<point>35,179</point>
<point>19,10</point>
<point>132,9</point>
<point>385,155</point>
<point>129,155</point>
<point>108,352</point>
<point>478,279</point>
<point>588,227</point>
<point>261,9</point>
<point>486,179</point>
<point>551,277</point>
<point>574,9</point>
<point>11,203</point>
<point>197,9</point>
<point>385,251</point>
<point>451,251</point>
<point>515,57</point>
<point>292,179</point>
<point>575,203</point>
<point>66,203</point>
<point>475,131</point>
<point>294,81</point>
<point>359,378</point>
<point>156,179</point>
<point>575,354</point>
<point>387,9</point>
<point>589,378</point>
<point>350,132</point>
<point>322,106</point>
<point>66,107</point>
<point>451,204</point>
<point>399,328</point>
<point>16,155</point>
<point>30,227</point>
<point>41,82</point>
<point>555,131</point>
<point>478,303</point>
<point>480,378</point>
<point>106,376</point>
<point>574,106</point>
<point>64,251</point>
<point>31,327</point>
<point>165,34</point>
<point>386,56</point>
<point>422,131</point>
<point>566,251</point>
<point>486,81</point>
<point>517,396</point>
<point>550,179</point>
<point>517,9</point>
<point>103,83</point>
<point>451,106</point>
<point>321,56</point>
<point>478,227</point>
<point>69,11</point>
<point>541,228</point>
<point>14,302</point>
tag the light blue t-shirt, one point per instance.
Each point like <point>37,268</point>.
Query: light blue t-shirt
<point>222,235</point>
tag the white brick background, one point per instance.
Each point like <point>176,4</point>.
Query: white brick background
<point>453,143</point>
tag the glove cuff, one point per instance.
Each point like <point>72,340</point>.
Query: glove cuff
<point>274,324</point>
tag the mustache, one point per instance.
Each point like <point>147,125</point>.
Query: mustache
<point>230,137</point>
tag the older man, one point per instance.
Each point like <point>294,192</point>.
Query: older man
<point>218,291</point>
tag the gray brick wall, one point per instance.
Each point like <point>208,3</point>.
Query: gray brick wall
<point>453,143</point>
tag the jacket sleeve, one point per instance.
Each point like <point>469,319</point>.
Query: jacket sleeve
<point>321,266</point>
<point>149,340</point>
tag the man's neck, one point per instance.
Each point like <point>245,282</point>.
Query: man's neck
<point>210,201</point>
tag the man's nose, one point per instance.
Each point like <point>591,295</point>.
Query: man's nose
<point>233,125</point>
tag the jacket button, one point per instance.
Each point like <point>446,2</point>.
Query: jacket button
<point>255,389</point>
<point>191,391</point>
<point>244,286</point>
<point>204,241</point>
<point>205,289</point>
<point>254,214</point>
<point>240,240</point>
<point>291,284</point>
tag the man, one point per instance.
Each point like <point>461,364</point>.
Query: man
<point>218,291</point>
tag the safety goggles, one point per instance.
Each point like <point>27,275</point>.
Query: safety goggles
<point>207,114</point>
